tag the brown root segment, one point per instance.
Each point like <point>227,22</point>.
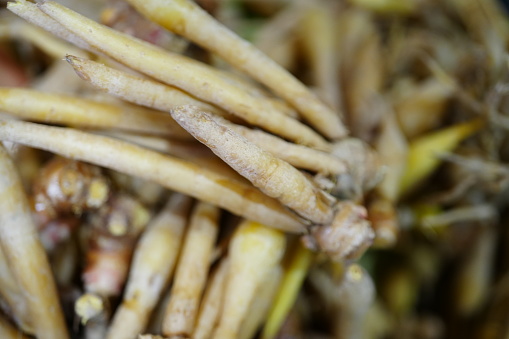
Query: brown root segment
<point>273,176</point>
<point>24,251</point>
<point>178,175</point>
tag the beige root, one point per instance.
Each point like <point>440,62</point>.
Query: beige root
<point>79,112</point>
<point>254,251</point>
<point>132,88</point>
<point>23,250</point>
<point>172,173</point>
<point>153,263</point>
<point>297,155</point>
<point>188,19</point>
<point>185,73</point>
<point>212,303</point>
<point>273,176</point>
<point>192,271</point>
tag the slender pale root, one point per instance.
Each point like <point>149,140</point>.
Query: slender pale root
<point>29,11</point>
<point>254,251</point>
<point>11,294</point>
<point>29,263</point>
<point>188,19</point>
<point>260,306</point>
<point>187,74</point>
<point>192,271</point>
<point>273,176</point>
<point>317,35</point>
<point>153,263</point>
<point>48,43</point>
<point>297,155</point>
<point>212,303</point>
<point>79,112</point>
<point>133,88</point>
<point>172,173</point>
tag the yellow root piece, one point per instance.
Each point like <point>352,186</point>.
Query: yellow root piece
<point>172,173</point>
<point>23,250</point>
<point>188,19</point>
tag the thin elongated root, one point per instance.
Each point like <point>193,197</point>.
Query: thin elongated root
<point>79,112</point>
<point>133,88</point>
<point>187,74</point>
<point>273,176</point>
<point>48,43</point>
<point>317,35</point>
<point>212,302</point>
<point>29,263</point>
<point>11,294</point>
<point>172,173</point>
<point>297,155</point>
<point>188,19</point>
<point>153,263</point>
<point>260,306</point>
<point>192,271</point>
<point>255,251</point>
<point>29,11</point>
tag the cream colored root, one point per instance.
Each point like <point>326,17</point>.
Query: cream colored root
<point>297,155</point>
<point>75,111</point>
<point>153,263</point>
<point>172,173</point>
<point>29,11</point>
<point>7,331</point>
<point>191,151</point>
<point>254,251</point>
<point>212,303</point>
<point>11,293</point>
<point>133,88</point>
<point>260,306</point>
<point>187,74</point>
<point>188,19</point>
<point>319,42</point>
<point>192,271</point>
<point>26,256</point>
<point>48,43</point>
<point>273,176</point>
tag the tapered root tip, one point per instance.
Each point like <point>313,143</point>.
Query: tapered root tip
<point>76,63</point>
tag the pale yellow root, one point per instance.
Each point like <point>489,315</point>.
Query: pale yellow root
<point>133,88</point>
<point>273,176</point>
<point>254,252</point>
<point>29,11</point>
<point>48,43</point>
<point>212,303</point>
<point>192,271</point>
<point>187,74</point>
<point>26,257</point>
<point>172,173</point>
<point>319,46</point>
<point>188,19</point>
<point>152,265</point>
<point>11,294</point>
<point>297,155</point>
<point>79,112</point>
<point>260,306</point>
<point>7,331</point>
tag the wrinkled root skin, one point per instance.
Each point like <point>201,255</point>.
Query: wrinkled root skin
<point>346,238</point>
